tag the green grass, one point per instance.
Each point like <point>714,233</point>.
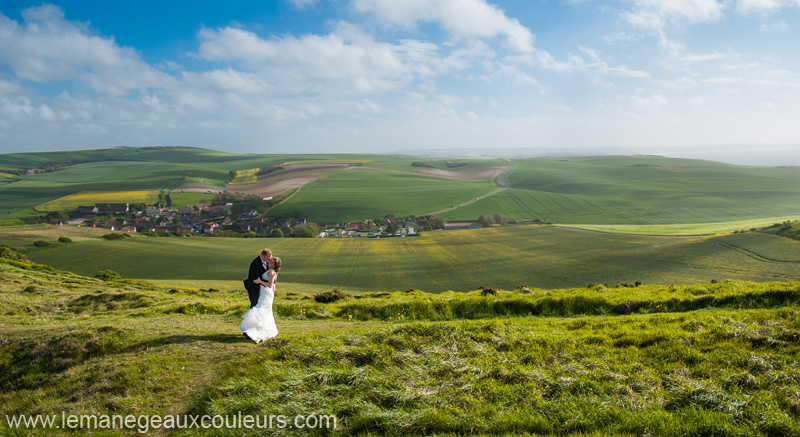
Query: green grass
<point>705,359</point>
<point>619,191</point>
<point>184,199</point>
<point>685,229</point>
<point>642,190</point>
<point>157,168</point>
<point>438,261</point>
<point>354,195</point>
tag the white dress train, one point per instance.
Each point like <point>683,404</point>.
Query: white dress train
<point>258,322</point>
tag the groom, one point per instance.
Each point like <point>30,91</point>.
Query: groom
<point>257,268</point>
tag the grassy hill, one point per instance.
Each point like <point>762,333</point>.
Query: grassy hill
<point>124,169</point>
<point>356,195</point>
<point>438,261</point>
<point>705,359</point>
<point>619,191</point>
<point>641,190</point>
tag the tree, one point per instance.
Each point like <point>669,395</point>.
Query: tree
<point>501,219</point>
<point>436,222</point>
<point>57,217</point>
<point>276,233</point>
<point>392,227</point>
<point>305,230</point>
<point>485,220</point>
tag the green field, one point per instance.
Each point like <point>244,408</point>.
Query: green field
<point>619,191</point>
<point>355,195</point>
<point>184,199</point>
<point>686,228</point>
<point>443,260</point>
<point>158,168</point>
<point>707,359</point>
<point>640,190</point>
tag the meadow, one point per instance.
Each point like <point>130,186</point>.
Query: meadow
<point>640,190</point>
<point>356,195</point>
<point>703,359</point>
<point>593,191</point>
<point>536,256</point>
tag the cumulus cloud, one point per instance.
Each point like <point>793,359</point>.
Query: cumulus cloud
<point>320,63</point>
<point>47,48</point>
<point>462,18</point>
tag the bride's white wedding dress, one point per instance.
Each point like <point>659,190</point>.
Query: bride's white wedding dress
<point>258,322</point>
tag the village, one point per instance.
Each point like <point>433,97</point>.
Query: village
<point>219,219</point>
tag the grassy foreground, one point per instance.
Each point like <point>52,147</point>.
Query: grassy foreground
<point>705,359</point>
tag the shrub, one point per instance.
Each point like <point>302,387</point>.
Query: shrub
<point>40,243</point>
<point>276,233</point>
<point>64,240</point>
<point>115,236</point>
<point>9,253</point>
<point>331,296</point>
<point>108,275</point>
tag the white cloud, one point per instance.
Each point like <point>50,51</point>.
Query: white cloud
<point>47,48</point>
<point>703,57</point>
<point>657,14</point>
<point>462,18</point>
<point>302,4</point>
<point>649,102</point>
<point>7,88</point>
<point>761,6</point>
<point>317,63</point>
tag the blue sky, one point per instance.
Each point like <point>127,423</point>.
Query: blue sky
<point>640,76</point>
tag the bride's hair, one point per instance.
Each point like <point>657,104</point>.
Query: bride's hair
<point>277,265</point>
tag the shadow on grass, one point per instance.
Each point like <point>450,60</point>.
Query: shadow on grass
<point>232,338</point>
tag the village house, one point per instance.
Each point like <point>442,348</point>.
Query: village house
<point>351,227</point>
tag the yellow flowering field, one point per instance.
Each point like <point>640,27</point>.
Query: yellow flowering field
<point>92,197</point>
<point>245,177</point>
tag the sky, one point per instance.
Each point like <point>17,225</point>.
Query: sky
<point>314,76</point>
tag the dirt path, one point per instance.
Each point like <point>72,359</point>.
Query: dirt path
<point>500,182</point>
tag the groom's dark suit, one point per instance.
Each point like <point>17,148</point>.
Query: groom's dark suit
<point>257,269</point>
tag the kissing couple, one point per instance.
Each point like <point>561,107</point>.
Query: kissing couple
<point>258,323</point>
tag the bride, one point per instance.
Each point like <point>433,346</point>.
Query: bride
<point>258,323</point>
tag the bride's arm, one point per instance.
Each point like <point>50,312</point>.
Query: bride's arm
<point>271,280</point>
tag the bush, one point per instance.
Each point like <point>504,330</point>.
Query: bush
<point>276,233</point>
<point>108,275</point>
<point>64,240</point>
<point>116,236</point>
<point>9,253</point>
<point>40,243</point>
<point>331,296</point>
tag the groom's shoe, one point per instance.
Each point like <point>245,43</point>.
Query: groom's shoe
<point>247,336</point>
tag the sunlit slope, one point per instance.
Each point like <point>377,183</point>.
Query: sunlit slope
<point>446,260</point>
<point>355,195</point>
<point>641,190</point>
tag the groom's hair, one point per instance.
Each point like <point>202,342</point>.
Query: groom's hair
<point>277,262</point>
<point>266,252</point>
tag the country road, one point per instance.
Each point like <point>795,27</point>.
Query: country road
<point>500,182</point>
